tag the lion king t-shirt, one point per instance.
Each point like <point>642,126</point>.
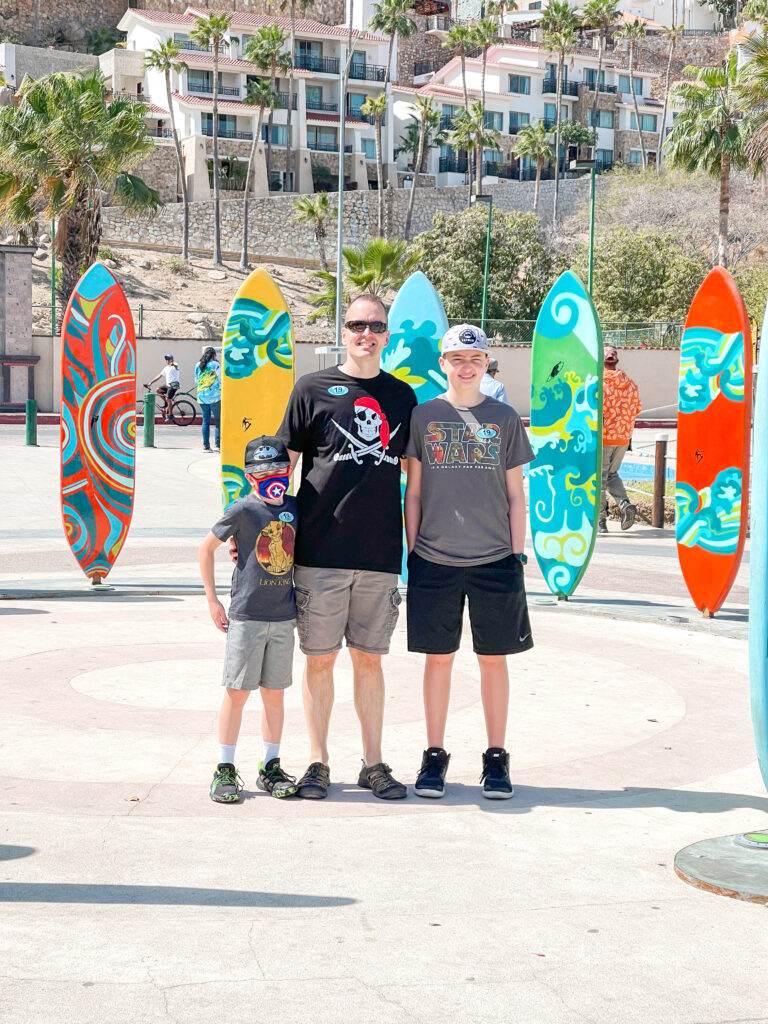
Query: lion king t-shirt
<point>262,583</point>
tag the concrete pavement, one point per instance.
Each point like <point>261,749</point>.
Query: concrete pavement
<point>127,896</point>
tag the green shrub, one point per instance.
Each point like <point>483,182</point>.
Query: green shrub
<point>105,253</point>
<point>177,265</point>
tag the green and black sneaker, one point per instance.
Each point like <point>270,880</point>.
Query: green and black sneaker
<point>273,780</point>
<point>226,785</point>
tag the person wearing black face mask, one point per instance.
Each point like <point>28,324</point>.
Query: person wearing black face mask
<point>621,405</point>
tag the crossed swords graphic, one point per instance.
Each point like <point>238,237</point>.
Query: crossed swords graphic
<point>359,448</point>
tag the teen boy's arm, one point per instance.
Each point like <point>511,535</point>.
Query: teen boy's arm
<point>412,504</point>
<point>516,498</point>
<point>205,558</point>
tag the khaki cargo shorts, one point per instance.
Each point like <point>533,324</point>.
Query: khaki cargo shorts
<point>356,605</point>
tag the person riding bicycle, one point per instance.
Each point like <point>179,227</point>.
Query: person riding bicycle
<point>172,383</point>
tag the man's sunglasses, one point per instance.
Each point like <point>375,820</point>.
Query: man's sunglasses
<point>359,326</point>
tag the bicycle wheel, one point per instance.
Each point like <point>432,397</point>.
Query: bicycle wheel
<point>183,412</point>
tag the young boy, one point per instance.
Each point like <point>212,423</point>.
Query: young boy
<point>465,525</point>
<point>172,383</point>
<point>262,614</point>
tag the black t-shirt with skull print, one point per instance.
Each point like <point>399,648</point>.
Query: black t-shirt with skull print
<point>352,434</point>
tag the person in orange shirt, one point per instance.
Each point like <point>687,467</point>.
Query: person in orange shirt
<point>621,405</point>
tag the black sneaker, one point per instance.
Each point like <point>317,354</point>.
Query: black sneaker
<point>602,526</point>
<point>314,783</point>
<point>273,780</point>
<point>226,785</point>
<point>378,778</point>
<point>431,778</point>
<point>495,777</point>
<point>628,513</point>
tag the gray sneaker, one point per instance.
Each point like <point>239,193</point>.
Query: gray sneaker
<point>628,513</point>
<point>602,526</point>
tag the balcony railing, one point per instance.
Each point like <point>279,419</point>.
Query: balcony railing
<point>204,87</point>
<point>226,133</point>
<point>310,62</point>
<point>427,67</point>
<point>328,108</point>
<point>367,72</point>
<point>130,97</point>
<point>439,24</point>
<point>566,88</point>
<point>187,44</point>
<point>325,147</point>
<point>283,99</point>
<point>231,184</point>
<point>495,169</point>
<point>453,165</point>
<point>368,118</point>
<point>603,87</point>
<point>447,122</point>
<point>515,126</point>
<point>603,165</point>
<point>160,133</point>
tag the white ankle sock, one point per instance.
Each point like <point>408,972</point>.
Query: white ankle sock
<point>271,750</point>
<point>227,753</point>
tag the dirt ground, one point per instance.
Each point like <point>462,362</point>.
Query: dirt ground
<point>173,302</point>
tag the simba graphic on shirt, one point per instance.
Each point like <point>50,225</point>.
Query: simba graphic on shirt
<point>274,548</point>
<point>468,445</point>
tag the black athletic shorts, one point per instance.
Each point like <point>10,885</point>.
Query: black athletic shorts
<point>168,390</point>
<point>498,611</point>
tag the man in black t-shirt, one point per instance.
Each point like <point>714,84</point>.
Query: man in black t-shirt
<point>350,423</point>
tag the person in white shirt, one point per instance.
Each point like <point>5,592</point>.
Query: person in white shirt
<point>492,387</point>
<point>172,383</point>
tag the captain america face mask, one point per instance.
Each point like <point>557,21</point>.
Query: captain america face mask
<point>272,487</point>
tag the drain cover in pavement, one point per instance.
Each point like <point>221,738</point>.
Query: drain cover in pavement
<point>728,866</point>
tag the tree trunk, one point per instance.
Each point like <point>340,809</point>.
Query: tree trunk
<point>558,96</point>
<point>666,104</point>
<point>290,185</point>
<point>379,174</point>
<point>469,178</point>
<point>216,219</point>
<point>536,186</point>
<point>634,101</point>
<point>182,175</point>
<point>600,53</point>
<point>482,80</point>
<point>270,119</point>
<point>464,79</point>
<point>248,176</point>
<point>320,236</point>
<point>74,244</point>
<point>417,171</point>
<point>725,198</point>
<point>479,170</point>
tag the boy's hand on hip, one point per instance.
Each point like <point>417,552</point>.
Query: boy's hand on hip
<point>232,549</point>
<point>218,615</point>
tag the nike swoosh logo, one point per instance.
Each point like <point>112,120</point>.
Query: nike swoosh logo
<point>523,638</point>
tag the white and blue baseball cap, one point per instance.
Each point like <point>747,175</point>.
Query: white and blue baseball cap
<point>463,338</point>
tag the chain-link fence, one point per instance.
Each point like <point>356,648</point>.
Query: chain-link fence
<point>161,322</point>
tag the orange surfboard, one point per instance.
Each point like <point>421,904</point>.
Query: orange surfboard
<point>714,411</point>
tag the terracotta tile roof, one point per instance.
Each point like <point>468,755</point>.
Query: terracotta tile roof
<point>158,111</point>
<point>629,19</point>
<point>205,101</point>
<point>303,25</point>
<point>162,17</point>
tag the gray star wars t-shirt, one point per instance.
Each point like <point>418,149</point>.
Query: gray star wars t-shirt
<point>465,454</point>
<point>262,583</point>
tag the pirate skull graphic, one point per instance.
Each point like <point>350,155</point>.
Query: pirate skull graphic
<point>370,421</point>
<point>373,432</point>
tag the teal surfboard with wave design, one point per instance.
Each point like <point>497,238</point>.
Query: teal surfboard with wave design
<point>566,433</point>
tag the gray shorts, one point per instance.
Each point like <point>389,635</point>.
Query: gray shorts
<point>258,654</point>
<point>358,605</point>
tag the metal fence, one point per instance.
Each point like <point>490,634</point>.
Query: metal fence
<point>161,322</point>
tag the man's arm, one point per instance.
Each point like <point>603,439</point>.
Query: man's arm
<point>516,497</point>
<point>205,558</point>
<point>412,503</point>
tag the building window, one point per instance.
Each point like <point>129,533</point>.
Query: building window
<point>227,125</point>
<point>648,122</point>
<point>369,149</point>
<point>518,119</point>
<point>314,96</point>
<point>494,120</point>
<point>550,71</point>
<point>305,48</point>
<point>279,134</point>
<point>550,112</point>
<point>604,119</point>
<point>590,77</point>
<point>635,156</point>
<point>322,138</point>
<point>355,100</point>
<point>520,84</point>
<point>603,158</point>
<point>636,82</point>
<point>535,6</point>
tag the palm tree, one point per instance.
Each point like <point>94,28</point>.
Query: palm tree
<point>755,10</point>
<point>165,58</point>
<point>210,31</point>
<point>599,14</point>
<point>265,50</point>
<point>374,107</point>
<point>314,210</point>
<point>673,34</point>
<point>459,39</point>
<point>261,95</point>
<point>303,6</point>
<point>61,145</point>
<point>391,18</point>
<point>711,131</point>
<point>429,121</point>
<point>499,9</point>
<point>754,82</point>
<point>376,268</point>
<point>485,34</point>
<point>471,134</point>
<point>534,142</point>
<point>631,34</point>
<point>558,23</point>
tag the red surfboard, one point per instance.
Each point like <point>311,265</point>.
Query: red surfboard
<point>713,427</point>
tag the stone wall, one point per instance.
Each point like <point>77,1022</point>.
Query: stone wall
<point>161,171</point>
<point>15,315</point>
<point>626,140</point>
<point>329,11</point>
<point>274,233</point>
<point>419,46</point>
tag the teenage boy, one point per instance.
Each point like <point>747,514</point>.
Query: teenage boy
<point>465,525</point>
<point>262,614</point>
<point>350,424</point>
